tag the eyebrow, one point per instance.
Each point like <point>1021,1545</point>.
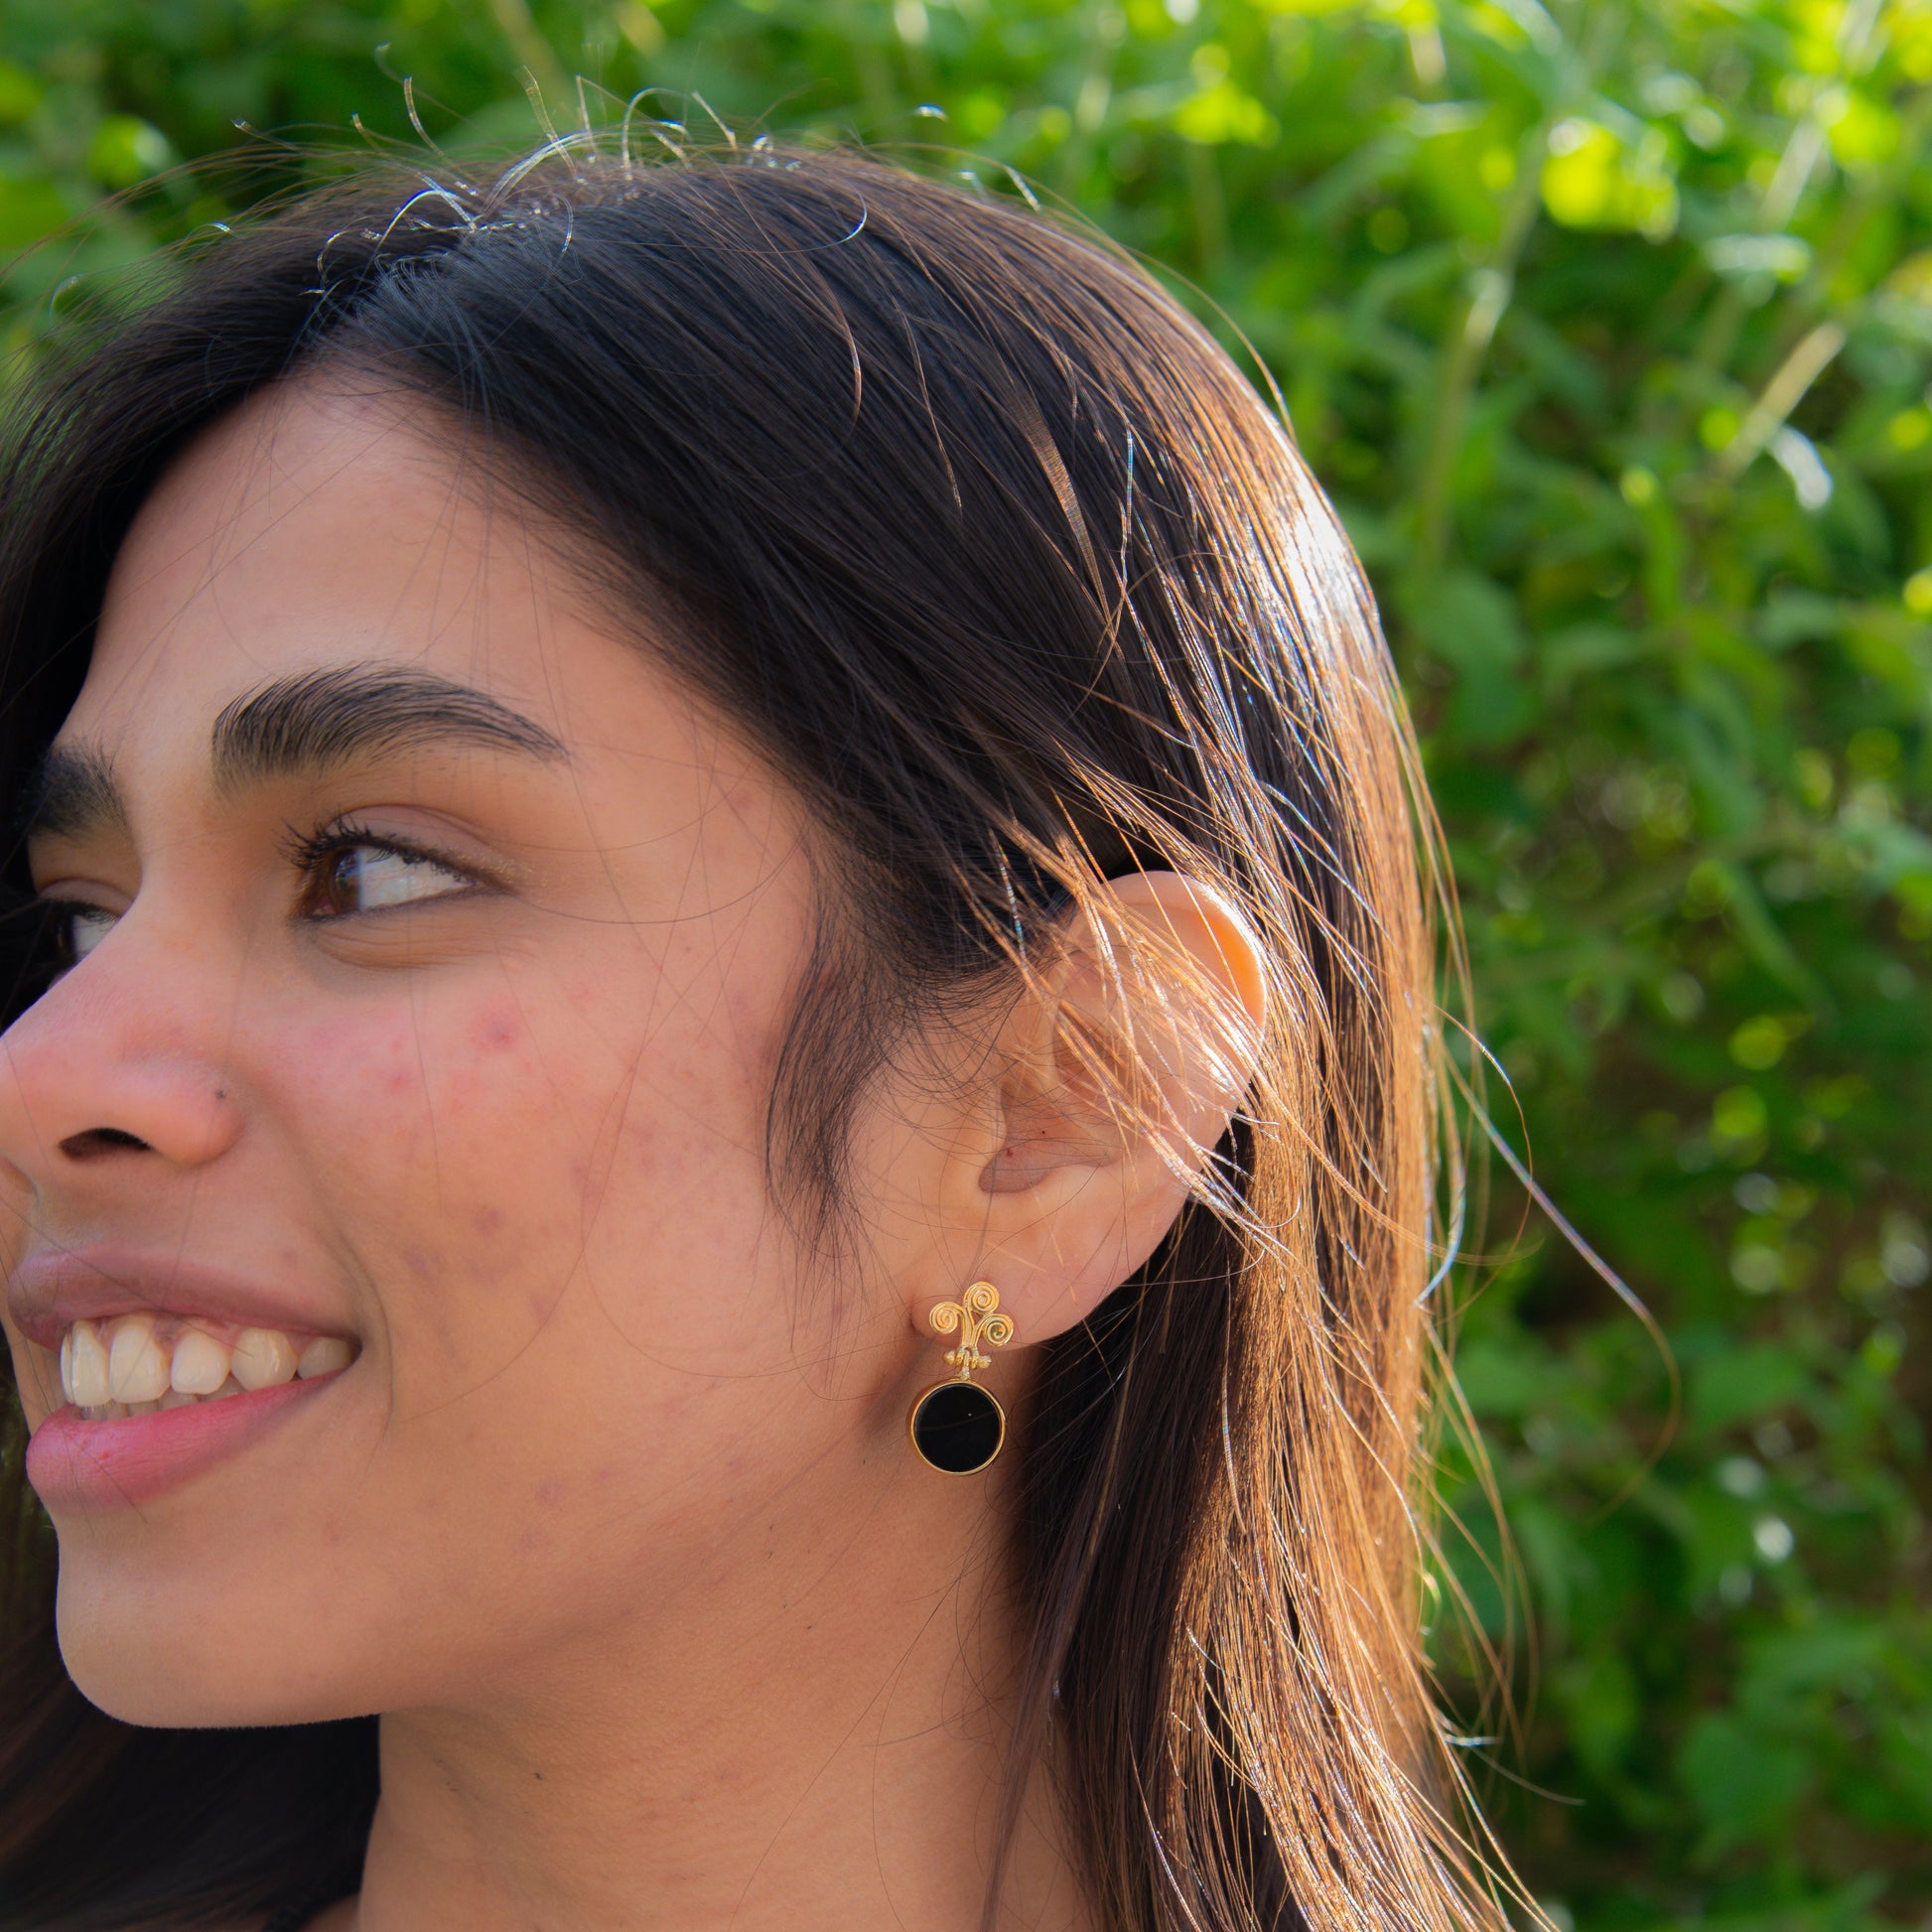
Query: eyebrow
<point>313,720</point>
<point>70,791</point>
<point>297,725</point>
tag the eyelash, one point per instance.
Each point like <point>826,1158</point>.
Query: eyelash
<point>311,854</point>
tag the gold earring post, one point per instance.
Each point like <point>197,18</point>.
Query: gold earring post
<point>976,1315</point>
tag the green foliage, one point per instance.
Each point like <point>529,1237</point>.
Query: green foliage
<point>1610,328</point>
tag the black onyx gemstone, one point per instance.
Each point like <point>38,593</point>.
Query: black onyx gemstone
<point>958,1428</point>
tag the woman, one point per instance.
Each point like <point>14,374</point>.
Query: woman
<point>687,813</point>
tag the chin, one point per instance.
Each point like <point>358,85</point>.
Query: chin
<point>150,1653</point>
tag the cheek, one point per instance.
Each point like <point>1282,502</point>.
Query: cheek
<point>398,1091</point>
<point>478,1153</point>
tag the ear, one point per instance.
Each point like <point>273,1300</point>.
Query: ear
<point>1119,1069</point>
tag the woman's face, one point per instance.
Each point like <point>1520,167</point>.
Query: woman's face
<point>431,959</point>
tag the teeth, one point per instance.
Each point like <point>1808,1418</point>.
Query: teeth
<point>137,1370</point>
<point>200,1363</point>
<point>125,1367</point>
<point>87,1365</point>
<point>262,1358</point>
<point>322,1356</point>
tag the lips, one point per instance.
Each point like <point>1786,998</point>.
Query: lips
<point>78,1464</point>
<point>139,1341</point>
<point>52,1290</point>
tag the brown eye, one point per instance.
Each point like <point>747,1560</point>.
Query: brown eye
<point>365,877</point>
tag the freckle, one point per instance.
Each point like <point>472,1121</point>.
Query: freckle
<point>488,1220</point>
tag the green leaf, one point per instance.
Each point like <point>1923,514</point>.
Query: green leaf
<point>1743,1785</point>
<point>1745,1383</point>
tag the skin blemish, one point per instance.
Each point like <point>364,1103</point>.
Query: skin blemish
<point>498,1030</point>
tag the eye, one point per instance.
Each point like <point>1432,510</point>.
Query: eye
<point>76,930</point>
<point>349,874</point>
<point>83,928</point>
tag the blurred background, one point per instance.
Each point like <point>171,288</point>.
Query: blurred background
<point>1608,327</point>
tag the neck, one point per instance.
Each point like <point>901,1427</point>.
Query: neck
<point>812,1739</point>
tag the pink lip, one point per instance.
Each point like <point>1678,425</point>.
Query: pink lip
<point>79,1465</point>
<point>52,1290</point>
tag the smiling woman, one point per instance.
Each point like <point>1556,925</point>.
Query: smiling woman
<point>651,794</point>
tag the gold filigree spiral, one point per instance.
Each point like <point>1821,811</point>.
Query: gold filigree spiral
<point>976,1315</point>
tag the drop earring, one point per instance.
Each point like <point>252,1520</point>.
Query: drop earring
<point>957,1427</point>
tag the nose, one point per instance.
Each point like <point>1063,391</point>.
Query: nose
<point>119,1067</point>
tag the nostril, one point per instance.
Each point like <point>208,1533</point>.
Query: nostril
<point>97,1141</point>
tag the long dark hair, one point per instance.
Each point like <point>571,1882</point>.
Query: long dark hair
<point>1011,573</point>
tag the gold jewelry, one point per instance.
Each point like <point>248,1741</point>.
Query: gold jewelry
<point>957,1427</point>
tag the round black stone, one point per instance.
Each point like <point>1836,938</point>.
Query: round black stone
<point>958,1428</point>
